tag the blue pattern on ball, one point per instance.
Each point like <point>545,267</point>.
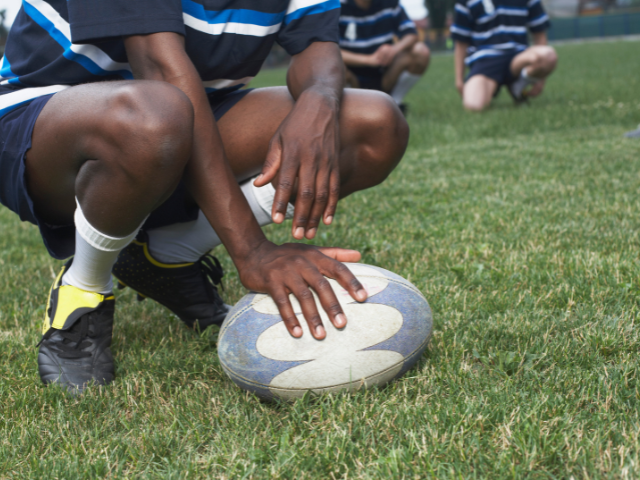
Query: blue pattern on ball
<point>239,352</point>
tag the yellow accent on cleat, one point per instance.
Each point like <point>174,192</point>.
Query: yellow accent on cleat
<point>147,253</point>
<point>67,303</point>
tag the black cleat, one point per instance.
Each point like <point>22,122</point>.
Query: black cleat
<point>74,350</point>
<point>187,289</point>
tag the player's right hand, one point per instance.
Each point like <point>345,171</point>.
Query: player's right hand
<point>295,268</point>
<point>384,55</point>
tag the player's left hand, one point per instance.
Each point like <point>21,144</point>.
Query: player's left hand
<point>536,89</point>
<point>304,152</point>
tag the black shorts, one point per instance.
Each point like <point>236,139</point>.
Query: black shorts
<point>16,128</point>
<point>497,68</point>
<point>369,78</point>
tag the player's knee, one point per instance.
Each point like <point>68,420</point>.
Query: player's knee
<point>388,136</point>
<point>474,104</point>
<point>549,57</point>
<point>154,121</point>
<point>421,56</point>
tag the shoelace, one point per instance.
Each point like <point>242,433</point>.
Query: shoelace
<point>73,340</point>
<point>213,271</point>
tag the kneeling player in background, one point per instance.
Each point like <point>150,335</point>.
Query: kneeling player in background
<point>157,153</point>
<point>380,47</point>
<point>492,42</point>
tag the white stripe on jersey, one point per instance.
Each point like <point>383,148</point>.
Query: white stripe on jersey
<point>300,4</point>
<point>540,20</point>
<point>231,27</point>
<point>367,43</point>
<point>92,52</point>
<point>460,31</point>
<point>15,98</point>
<point>499,29</point>
<point>516,12</point>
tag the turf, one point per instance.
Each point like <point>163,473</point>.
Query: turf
<point>520,226</point>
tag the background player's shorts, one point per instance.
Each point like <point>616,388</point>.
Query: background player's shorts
<point>497,68</point>
<point>369,78</point>
<point>16,128</point>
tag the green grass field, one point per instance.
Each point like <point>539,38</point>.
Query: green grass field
<point>520,226</point>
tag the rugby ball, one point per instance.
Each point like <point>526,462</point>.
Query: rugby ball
<point>384,337</point>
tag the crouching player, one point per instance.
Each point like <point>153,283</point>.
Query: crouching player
<point>374,60</point>
<point>126,139</point>
<point>492,41</point>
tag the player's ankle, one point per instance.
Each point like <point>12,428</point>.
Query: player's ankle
<point>94,257</point>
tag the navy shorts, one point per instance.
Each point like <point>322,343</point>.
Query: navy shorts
<point>496,68</point>
<point>16,128</point>
<point>369,78</point>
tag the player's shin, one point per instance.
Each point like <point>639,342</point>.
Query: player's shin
<point>189,241</point>
<point>94,257</point>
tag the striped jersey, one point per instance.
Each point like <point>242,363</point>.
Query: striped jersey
<point>55,44</point>
<point>496,27</point>
<point>363,31</point>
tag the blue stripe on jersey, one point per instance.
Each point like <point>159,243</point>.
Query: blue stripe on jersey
<point>312,10</point>
<point>249,17</point>
<point>66,44</point>
<point>6,74</point>
<point>387,12</point>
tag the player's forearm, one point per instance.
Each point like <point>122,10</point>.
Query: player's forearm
<point>406,43</point>
<point>540,38</point>
<point>459,55</point>
<point>317,70</point>
<point>352,59</point>
<point>208,175</point>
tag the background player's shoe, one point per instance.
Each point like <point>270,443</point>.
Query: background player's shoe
<point>634,133</point>
<point>187,289</point>
<point>74,350</point>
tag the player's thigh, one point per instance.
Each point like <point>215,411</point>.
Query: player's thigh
<point>96,122</point>
<point>478,92</point>
<point>247,129</point>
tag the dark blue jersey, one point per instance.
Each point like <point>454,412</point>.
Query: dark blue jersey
<point>363,31</point>
<point>55,44</point>
<point>493,28</point>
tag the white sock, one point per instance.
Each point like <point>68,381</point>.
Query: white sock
<point>95,255</point>
<point>523,81</point>
<point>187,242</point>
<point>406,81</point>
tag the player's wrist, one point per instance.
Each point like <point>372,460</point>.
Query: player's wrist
<point>322,96</point>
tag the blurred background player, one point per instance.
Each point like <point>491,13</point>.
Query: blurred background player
<point>380,47</point>
<point>418,12</point>
<point>491,39</point>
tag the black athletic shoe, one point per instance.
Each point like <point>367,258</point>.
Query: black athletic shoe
<point>187,289</point>
<point>74,350</point>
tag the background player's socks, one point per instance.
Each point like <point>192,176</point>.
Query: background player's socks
<point>95,255</point>
<point>523,81</point>
<point>406,81</point>
<point>187,242</point>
